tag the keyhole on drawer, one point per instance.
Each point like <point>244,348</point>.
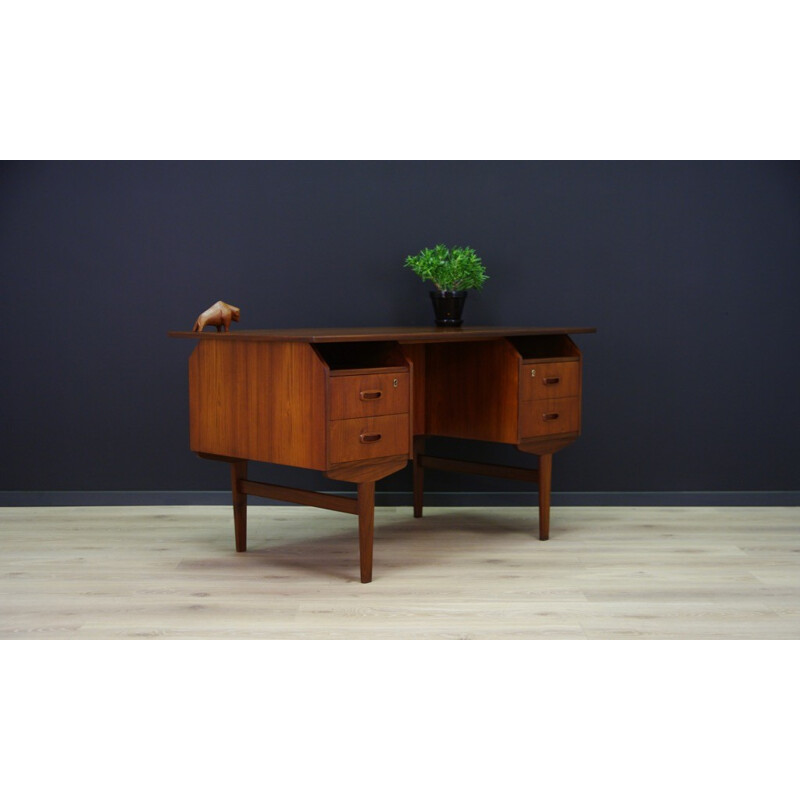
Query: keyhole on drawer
<point>394,383</point>
<point>533,373</point>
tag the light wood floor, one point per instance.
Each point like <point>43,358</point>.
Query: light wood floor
<point>606,573</point>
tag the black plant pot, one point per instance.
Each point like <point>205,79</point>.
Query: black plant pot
<point>448,307</point>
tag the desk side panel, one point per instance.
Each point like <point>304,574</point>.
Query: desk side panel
<point>261,401</point>
<point>415,357</point>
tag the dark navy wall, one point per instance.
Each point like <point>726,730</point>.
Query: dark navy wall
<point>690,271</point>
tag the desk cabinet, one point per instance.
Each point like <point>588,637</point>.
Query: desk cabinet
<point>357,405</point>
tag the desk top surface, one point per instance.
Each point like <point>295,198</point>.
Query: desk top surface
<point>420,335</point>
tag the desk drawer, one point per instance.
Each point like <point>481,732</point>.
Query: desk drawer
<point>369,395</point>
<point>548,417</point>
<point>554,379</point>
<point>368,437</point>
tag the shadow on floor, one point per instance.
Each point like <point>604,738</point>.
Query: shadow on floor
<point>401,542</point>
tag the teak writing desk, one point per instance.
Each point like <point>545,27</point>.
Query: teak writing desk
<point>357,403</point>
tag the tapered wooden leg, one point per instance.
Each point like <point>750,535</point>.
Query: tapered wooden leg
<point>418,474</point>
<point>239,473</point>
<point>545,474</point>
<point>366,527</point>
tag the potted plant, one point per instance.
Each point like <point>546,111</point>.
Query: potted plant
<point>452,271</point>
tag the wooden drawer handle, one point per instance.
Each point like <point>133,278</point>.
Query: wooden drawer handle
<point>551,381</point>
<point>366,438</point>
<point>551,415</point>
<point>370,395</point>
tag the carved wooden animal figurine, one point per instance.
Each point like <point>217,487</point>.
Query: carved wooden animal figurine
<point>220,315</point>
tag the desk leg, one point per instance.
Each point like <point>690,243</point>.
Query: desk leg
<point>545,475</point>
<point>239,473</point>
<point>418,474</point>
<point>366,527</point>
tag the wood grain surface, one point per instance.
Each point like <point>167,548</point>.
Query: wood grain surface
<point>258,402</point>
<point>472,391</point>
<point>458,573</point>
<point>369,394</point>
<point>401,334</point>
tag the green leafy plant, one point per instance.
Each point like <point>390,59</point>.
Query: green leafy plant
<point>450,270</point>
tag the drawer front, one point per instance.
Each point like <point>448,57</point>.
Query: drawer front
<point>368,437</point>
<point>369,395</point>
<point>549,417</point>
<point>555,379</point>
